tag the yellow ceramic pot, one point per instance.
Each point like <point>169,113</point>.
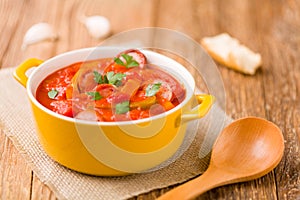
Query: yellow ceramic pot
<point>111,148</point>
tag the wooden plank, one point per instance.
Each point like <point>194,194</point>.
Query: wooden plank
<point>280,42</point>
<point>282,85</point>
<point>64,17</point>
<point>15,175</point>
<point>10,12</point>
<point>282,100</point>
<point>202,18</point>
<point>32,12</point>
<point>40,190</point>
<point>189,17</point>
<point>77,35</point>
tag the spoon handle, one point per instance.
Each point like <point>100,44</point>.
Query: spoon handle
<point>211,178</point>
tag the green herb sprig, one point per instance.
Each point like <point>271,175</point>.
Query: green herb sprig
<point>122,107</point>
<point>52,94</point>
<point>115,79</point>
<point>109,78</point>
<point>99,78</point>
<point>152,89</point>
<point>130,62</point>
<point>95,95</point>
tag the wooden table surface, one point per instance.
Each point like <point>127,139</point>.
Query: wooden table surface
<point>270,27</point>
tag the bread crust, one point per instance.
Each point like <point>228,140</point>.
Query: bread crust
<point>237,56</point>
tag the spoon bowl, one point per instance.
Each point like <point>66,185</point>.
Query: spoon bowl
<point>249,147</point>
<point>246,149</point>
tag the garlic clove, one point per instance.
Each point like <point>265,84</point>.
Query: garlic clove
<point>97,26</point>
<point>37,33</point>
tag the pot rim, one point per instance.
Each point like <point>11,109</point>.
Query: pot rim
<point>188,86</point>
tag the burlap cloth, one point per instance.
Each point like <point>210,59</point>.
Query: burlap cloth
<point>17,123</point>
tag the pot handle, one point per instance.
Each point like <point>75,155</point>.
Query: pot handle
<point>205,102</point>
<point>20,71</point>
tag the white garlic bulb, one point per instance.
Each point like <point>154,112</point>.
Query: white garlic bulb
<point>37,33</point>
<point>98,26</point>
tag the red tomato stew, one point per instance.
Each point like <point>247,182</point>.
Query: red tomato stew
<point>111,89</point>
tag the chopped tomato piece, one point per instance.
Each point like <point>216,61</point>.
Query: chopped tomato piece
<point>168,105</point>
<point>63,107</point>
<point>116,68</point>
<point>105,90</point>
<point>105,115</point>
<point>138,114</point>
<point>69,91</point>
<point>103,103</point>
<point>139,96</point>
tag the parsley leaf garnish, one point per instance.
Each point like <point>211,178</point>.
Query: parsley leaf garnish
<point>99,78</point>
<point>110,78</point>
<point>115,79</point>
<point>130,62</point>
<point>152,89</point>
<point>95,95</point>
<point>119,61</point>
<point>52,94</point>
<point>122,107</point>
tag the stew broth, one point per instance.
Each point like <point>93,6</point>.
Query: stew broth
<point>111,89</point>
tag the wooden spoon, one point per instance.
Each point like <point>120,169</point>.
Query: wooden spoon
<point>246,149</point>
